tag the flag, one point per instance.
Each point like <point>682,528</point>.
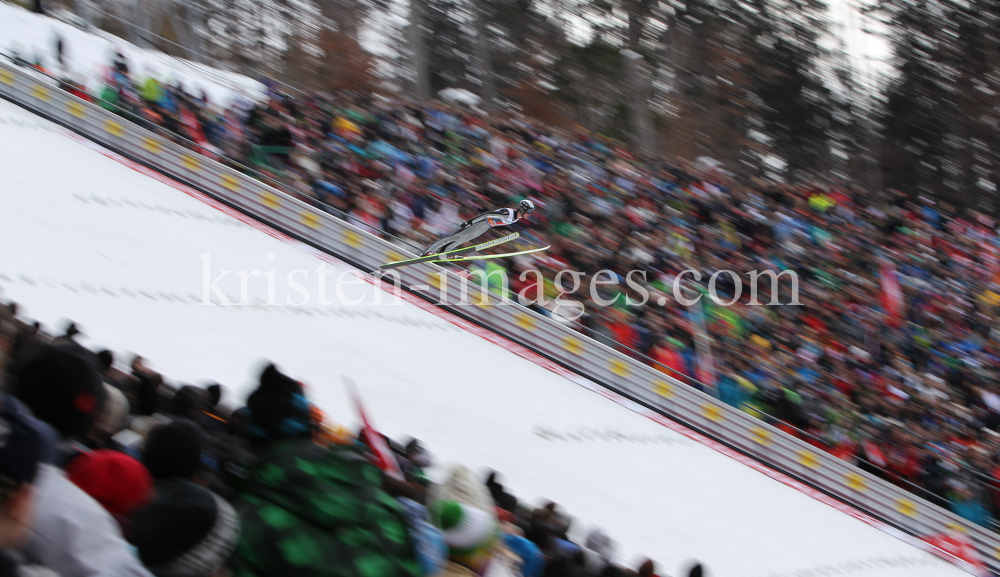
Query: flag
<point>892,296</point>
<point>383,457</point>
<point>873,454</point>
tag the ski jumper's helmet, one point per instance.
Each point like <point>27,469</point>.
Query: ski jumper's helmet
<point>525,207</point>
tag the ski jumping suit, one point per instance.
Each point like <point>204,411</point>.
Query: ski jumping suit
<point>473,229</point>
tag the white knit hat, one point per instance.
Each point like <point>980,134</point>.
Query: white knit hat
<point>462,486</point>
<point>466,529</point>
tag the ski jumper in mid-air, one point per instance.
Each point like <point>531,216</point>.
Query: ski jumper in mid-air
<point>476,227</point>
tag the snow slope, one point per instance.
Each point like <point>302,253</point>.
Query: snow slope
<point>88,54</point>
<point>91,239</point>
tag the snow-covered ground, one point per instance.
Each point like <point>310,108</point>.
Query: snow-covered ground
<point>88,54</point>
<point>88,238</point>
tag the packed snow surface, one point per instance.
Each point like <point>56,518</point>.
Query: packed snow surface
<point>87,238</point>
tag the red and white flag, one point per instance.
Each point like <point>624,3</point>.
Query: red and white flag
<point>873,454</point>
<point>892,296</point>
<point>384,459</point>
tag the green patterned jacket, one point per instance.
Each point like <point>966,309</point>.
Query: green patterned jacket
<point>309,511</point>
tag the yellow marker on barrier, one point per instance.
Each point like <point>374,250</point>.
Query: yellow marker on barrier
<point>270,200</point>
<point>152,145</point>
<point>572,345</point>
<point>191,163</point>
<point>40,92</point>
<point>434,279</point>
<point>663,388</point>
<point>482,300</point>
<point>956,527</point>
<point>525,321</point>
<point>7,78</point>
<point>76,109</point>
<point>353,239</point>
<point>113,128</point>
<point>393,256</point>
<point>855,481</point>
<point>907,507</point>
<point>311,220</point>
<point>760,435</point>
<point>808,459</point>
<point>619,367</point>
<point>230,182</point>
<point>713,413</point>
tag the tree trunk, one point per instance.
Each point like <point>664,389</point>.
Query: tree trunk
<point>638,110</point>
<point>419,49</point>
<point>483,55</point>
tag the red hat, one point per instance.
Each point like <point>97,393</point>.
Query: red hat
<point>118,482</point>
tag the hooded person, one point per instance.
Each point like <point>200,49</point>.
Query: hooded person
<point>310,510</point>
<point>173,450</point>
<point>186,531</point>
<point>71,533</point>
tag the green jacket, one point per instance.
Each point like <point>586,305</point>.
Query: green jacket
<point>109,98</point>
<point>311,511</point>
<point>151,90</point>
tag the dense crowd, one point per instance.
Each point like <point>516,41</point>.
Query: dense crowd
<point>906,388</point>
<point>114,472</point>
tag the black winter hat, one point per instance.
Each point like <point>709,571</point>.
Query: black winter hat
<point>173,450</point>
<point>189,399</point>
<point>187,531</point>
<point>278,408</point>
<point>105,359</point>
<point>214,395</point>
<point>62,387</point>
<point>71,330</point>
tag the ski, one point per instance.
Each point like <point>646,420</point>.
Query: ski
<point>485,256</point>
<point>456,252</point>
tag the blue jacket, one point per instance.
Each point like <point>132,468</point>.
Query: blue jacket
<point>972,510</point>
<point>532,560</point>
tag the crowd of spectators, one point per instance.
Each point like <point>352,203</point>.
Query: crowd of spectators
<point>114,472</point>
<point>906,389</point>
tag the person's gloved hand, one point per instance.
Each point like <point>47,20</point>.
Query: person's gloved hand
<point>466,224</point>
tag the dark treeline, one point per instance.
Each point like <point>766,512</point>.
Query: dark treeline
<point>763,86</point>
